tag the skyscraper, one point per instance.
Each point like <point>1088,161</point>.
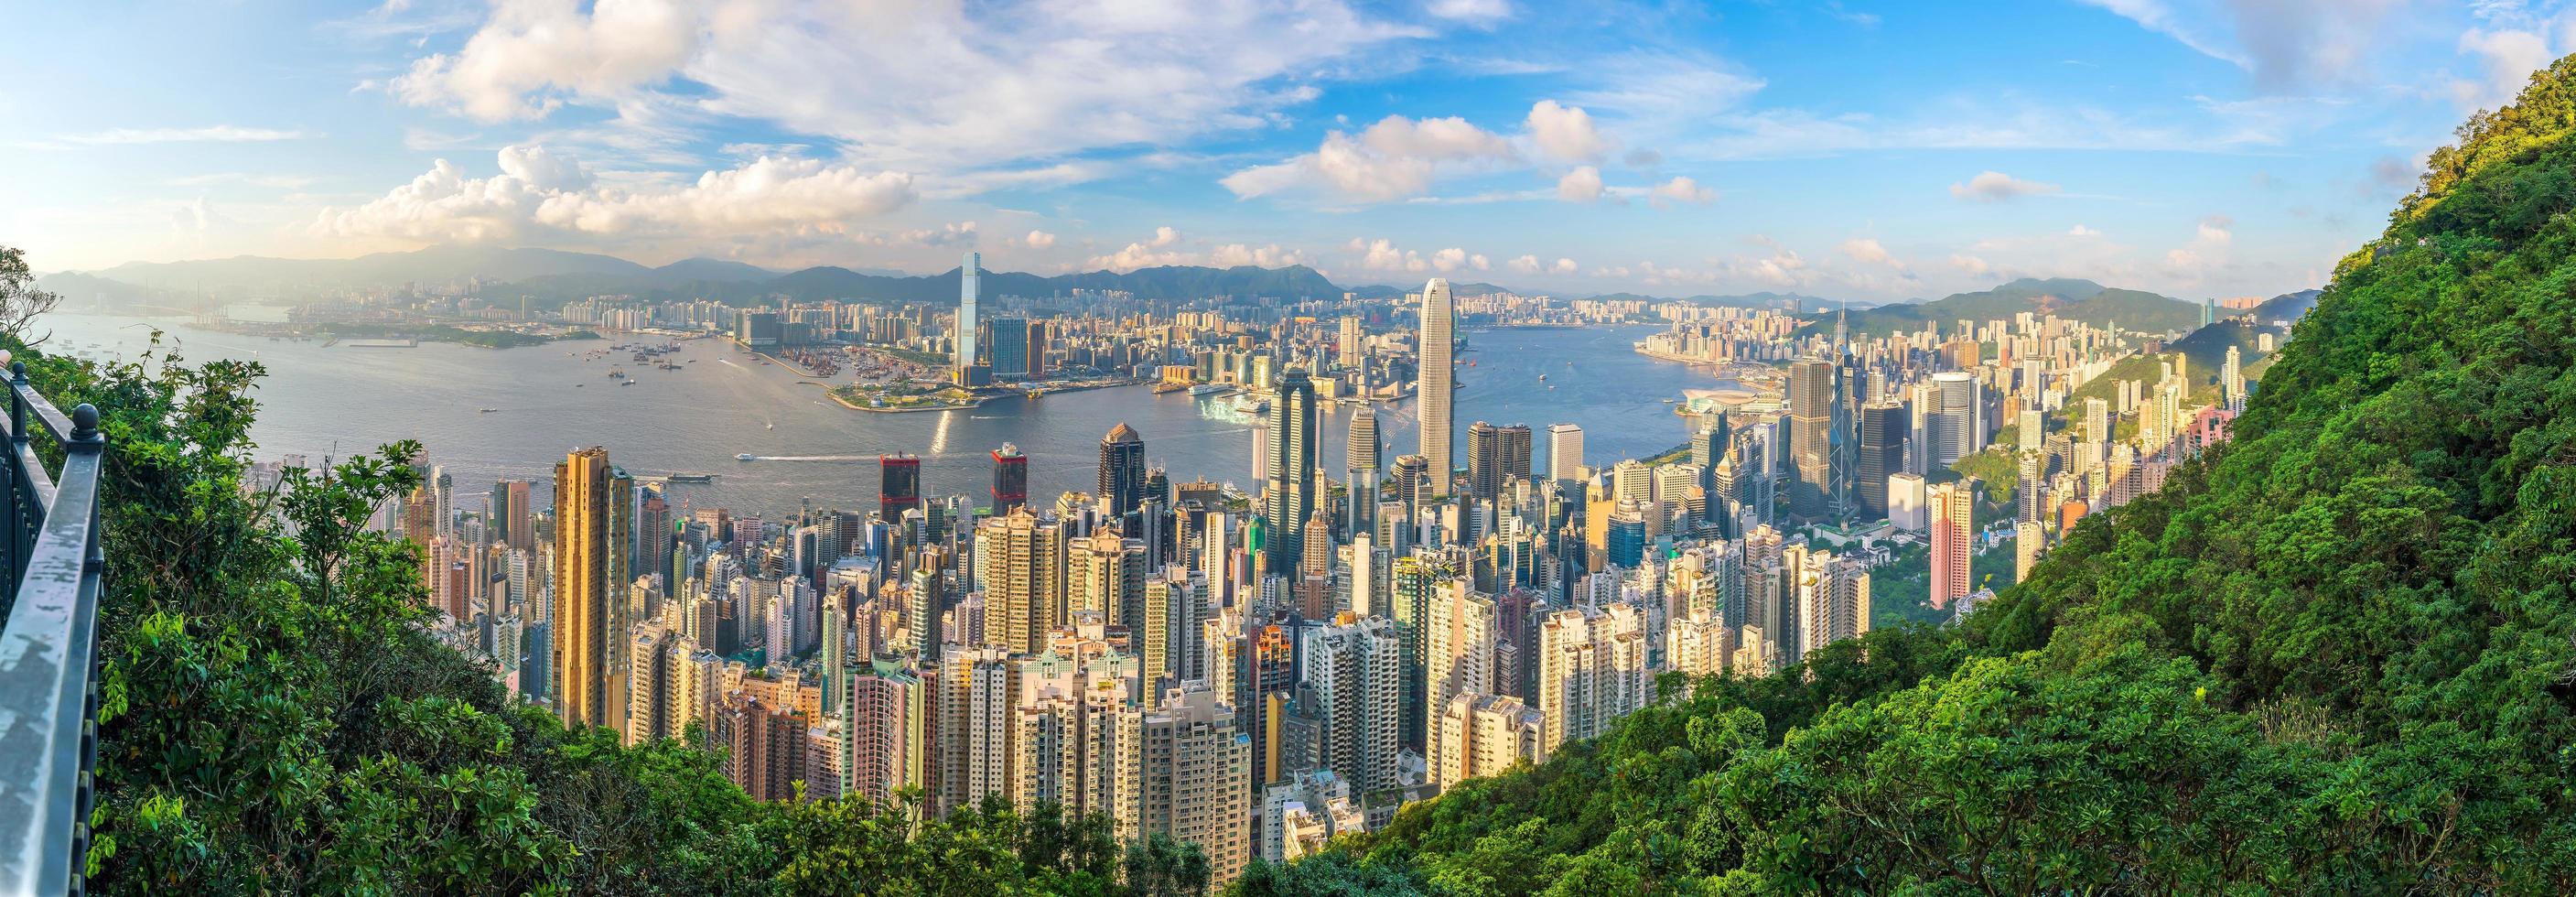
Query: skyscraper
<point>1122,470</point>
<point>967,287</point>
<point>1010,478</point>
<point>1292,493</point>
<point>1564,452</point>
<point>1952,425</point>
<point>1360,468</point>
<point>514,520</point>
<point>1513,453</point>
<point>898,485</point>
<point>1811,398</point>
<point>1435,378</point>
<point>593,503</point>
<point>1953,526</point>
<point>1484,461</point>
<point>1007,343</point>
<point>1185,770</point>
<point>1883,430</point>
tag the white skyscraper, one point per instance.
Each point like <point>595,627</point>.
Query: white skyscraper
<point>1564,452</point>
<point>966,289</point>
<point>1435,379</point>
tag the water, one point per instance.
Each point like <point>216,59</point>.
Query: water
<point>340,400</point>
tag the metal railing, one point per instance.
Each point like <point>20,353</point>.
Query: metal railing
<point>49,644</point>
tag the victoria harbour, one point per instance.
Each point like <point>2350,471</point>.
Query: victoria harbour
<point>341,400</point>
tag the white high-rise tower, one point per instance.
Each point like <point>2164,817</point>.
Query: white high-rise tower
<point>1435,379</point>
<point>966,289</point>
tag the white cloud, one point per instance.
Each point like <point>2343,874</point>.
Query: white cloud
<point>1971,265</point>
<point>1683,190</point>
<point>2082,231</point>
<point>1527,264</point>
<point>2282,43</point>
<point>946,85</point>
<point>211,134</point>
<point>1038,239</point>
<point>1167,247</point>
<point>1165,236</point>
<point>1563,266</point>
<point>1477,11</point>
<point>1565,132</point>
<point>1580,185</point>
<point>1996,186</point>
<point>2506,58</point>
<point>1382,255</point>
<point>540,193</point>
<point>1868,252</point>
<point>1393,159</point>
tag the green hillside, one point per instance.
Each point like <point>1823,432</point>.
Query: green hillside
<point>2336,656</point>
<point>2072,299</point>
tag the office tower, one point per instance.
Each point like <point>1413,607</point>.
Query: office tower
<point>1010,479</point>
<point>898,485</point>
<point>2030,488</point>
<point>1952,426</point>
<point>1882,454</point>
<point>1008,347</point>
<point>1122,471</point>
<point>1564,452</point>
<point>1512,454</point>
<point>1360,468</point>
<point>1810,401</point>
<point>967,282</point>
<point>2034,425</point>
<point>594,502</point>
<point>1951,509</point>
<point>1487,735</point>
<point>1352,675</point>
<point>1020,560</point>
<point>513,517</point>
<point>1627,535</point>
<point>2097,421</point>
<point>1484,461</point>
<point>1348,344</point>
<point>1185,770</point>
<point>1291,498</point>
<point>1435,379</point>
<point>1591,670</point>
<point>1907,502</point>
<point>1632,479</point>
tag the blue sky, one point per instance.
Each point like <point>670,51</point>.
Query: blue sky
<point>1852,148</point>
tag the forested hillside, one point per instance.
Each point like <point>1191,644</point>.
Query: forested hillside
<point>2336,656</point>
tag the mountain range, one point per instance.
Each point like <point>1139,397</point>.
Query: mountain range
<point>2069,298</point>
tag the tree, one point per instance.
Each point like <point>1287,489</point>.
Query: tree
<point>20,300</point>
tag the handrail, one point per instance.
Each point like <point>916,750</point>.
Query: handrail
<point>49,644</point>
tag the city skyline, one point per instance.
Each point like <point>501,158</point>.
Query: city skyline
<point>1846,149</point>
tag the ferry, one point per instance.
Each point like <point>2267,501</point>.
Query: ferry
<point>746,456</point>
<point>1206,388</point>
<point>486,410</point>
<point>692,478</point>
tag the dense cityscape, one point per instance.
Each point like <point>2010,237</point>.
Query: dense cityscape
<point>1255,671</point>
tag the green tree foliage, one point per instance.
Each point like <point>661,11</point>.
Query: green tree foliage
<point>2337,655</point>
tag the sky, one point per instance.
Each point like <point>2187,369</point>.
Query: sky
<point>1842,148</point>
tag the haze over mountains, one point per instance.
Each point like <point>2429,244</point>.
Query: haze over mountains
<point>557,275</point>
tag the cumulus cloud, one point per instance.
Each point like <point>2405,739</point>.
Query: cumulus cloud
<point>1527,264</point>
<point>1563,266</point>
<point>541,193</point>
<point>2506,58</point>
<point>1583,184</point>
<point>950,86</point>
<point>2082,231</point>
<point>1164,236</point>
<point>1971,265</point>
<point>1996,186</point>
<point>1868,252</point>
<point>1399,157</point>
<point>1168,247</point>
<point>1038,239</point>
<point>1565,132</point>
<point>2281,43</point>
<point>1682,190</point>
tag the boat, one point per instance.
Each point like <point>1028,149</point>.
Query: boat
<point>626,383</point>
<point>746,456</point>
<point>1205,388</point>
<point>1668,401</point>
<point>692,478</point>
<point>579,385</point>
<point>486,410</point>
<point>1542,376</point>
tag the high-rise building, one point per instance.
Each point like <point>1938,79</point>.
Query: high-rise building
<point>1185,770</point>
<point>1010,479</point>
<point>1883,430</point>
<point>898,485</point>
<point>1591,670</point>
<point>1485,734</point>
<point>594,502</point>
<point>1458,653</point>
<point>1564,452</point>
<point>1360,468</point>
<point>1952,426</point>
<point>1513,453</point>
<point>967,287</point>
<point>514,521</point>
<point>1294,475</point>
<point>1810,400</point>
<point>1020,560</point>
<point>1122,471</point>
<point>1484,461</point>
<point>1951,509</point>
<point>1352,679</point>
<point>1435,379</point>
<point>1347,346</point>
<point>1008,347</point>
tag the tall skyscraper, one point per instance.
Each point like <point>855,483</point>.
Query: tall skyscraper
<point>1352,680</point>
<point>1513,453</point>
<point>1435,379</point>
<point>1484,461</point>
<point>1290,500</point>
<point>1883,430</point>
<point>593,503</point>
<point>1953,527</point>
<point>1010,479</point>
<point>1007,345</point>
<point>1952,425</point>
<point>967,287</point>
<point>1564,452</point>
<point>1811,398</point>
<point>514,521</point>
<point>1360,468</point>
<point>1023,577</point>
<point>898,485</point>
<point>1122,470</point>
<point>1348,345</point>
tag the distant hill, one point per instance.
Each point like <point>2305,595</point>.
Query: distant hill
<point>1383,291</point>
<point>2072,299</point>
<point>434,265</point>
<point>2287,306</point>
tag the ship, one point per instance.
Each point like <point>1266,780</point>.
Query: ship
<point>486,410</point>
<point>1206,388</point>
<point>692,478</point>
<point>616,373</point>
<point>1542,376</point>
<point>746,456</point>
